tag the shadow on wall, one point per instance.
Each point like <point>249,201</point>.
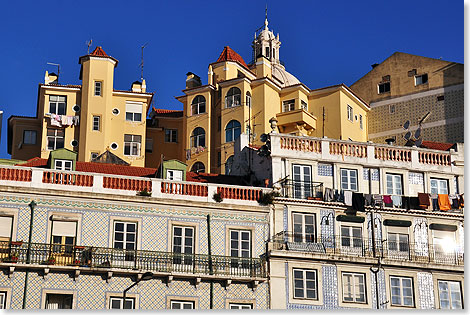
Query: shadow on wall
<point>453,103</point>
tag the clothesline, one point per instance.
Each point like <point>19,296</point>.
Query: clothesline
<point>64,120</point>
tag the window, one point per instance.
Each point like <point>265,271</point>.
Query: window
<point>125,236</point>
<point>360,122</point>
<point>97,88</point>
<point>288,105</point>
<point>267,52</point>
<point>240,246</point>
<point>94,155</point>
<point>55,138</point>
<point>149,145</point>
<point>59,301</point>
<point>304,105</point>
<point>439,186</point>
<point>29,136</point>
<point>57,104</point>
<point>394,184</point>
<point>132,145</point>
<point>398,242</point>
<point>401,289</point>
<point>96,123</point>
<point>391,108</point>
<point>6,225</point>
<point>118,303</point>
<point>171,135</point>
<point>63,165</point>
<point>63,236</point>
<point>304,227</point>
<point>198,138</point>
<point>198,167</point>
<point>198,105</point>
<point>174,175</point>
<point>302,183</point>
<point>134,111</point>
<point>228,165</point>
<point>183,245</point>
<point>350,113</point>
<point>232,131</point>
<point>354,289</point>
<point>237,306</point>
<point>3,300</point>
<point>444,245</point>
<point>179,305</point>
<point>248,99</point>
<point>384,87</point>
<point>421,79</point>
<point>233,97</point>
<point>305,284</point>
<point>351,238</point>
<point>450,295</point>
<point>348,179</point>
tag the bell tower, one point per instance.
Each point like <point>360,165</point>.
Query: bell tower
<point>266,44</point>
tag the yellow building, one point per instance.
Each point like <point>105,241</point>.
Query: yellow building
<point>89,119</point>
<point>241,98</point>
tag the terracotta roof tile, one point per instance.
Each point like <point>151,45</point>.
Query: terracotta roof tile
<point>167,112</point>
<point>228,54</point>
<point>214,178</point>
<point>99,52</point>
<point>437,145</point>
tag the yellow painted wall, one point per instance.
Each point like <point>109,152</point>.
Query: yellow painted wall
<point>352,130</point>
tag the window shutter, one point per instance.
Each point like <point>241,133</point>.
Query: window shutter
<point>5,226</point>
<point>64,228</point>
<point>133,107</point>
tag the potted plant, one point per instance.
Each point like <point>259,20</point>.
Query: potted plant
<point>14,258</point>
<point>144,192</point>
<point>50,261</point>
<point>16,243</point>
<point>217,197</point>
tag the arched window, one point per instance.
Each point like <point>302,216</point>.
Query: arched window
<point>198,106</point>
<point>198,167</point>
<point>228,165</point>
<point>198,138</point>
<point>233,97</point>
<point>248,99</point>
<point>232,131</point>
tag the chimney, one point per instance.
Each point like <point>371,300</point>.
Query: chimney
<point>51,78</point>
<point>144,86</point>
<point>136,86</point>
<point>192,80</point>
<point>374,65</point>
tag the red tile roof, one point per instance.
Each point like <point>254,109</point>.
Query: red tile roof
<point>213,178</point>
<point>99,52</point>
<point>101,168</point>
<point>437,145</point>
<point>228,54</point>
<point>167,112</point>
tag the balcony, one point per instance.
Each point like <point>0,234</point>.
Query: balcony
<point>348,247</point>
<point>164,263</point>
<point>288,121</point>
<point>301,190</point>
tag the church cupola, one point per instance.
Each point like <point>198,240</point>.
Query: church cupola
<point>266,44</point>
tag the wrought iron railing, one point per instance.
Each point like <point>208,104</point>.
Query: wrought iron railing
<point>100,257</point>
<point>359,247</point>
<point>301,189</point>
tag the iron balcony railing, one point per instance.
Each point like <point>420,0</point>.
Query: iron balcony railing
<point>145,260</point>
<point>301,190</point>
<point>350,246</point>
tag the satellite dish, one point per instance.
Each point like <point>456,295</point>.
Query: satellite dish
<point>418,142</point>
<point>263,137</point>
<point>418,133</point>
<point>406,125</point>
<point>407,135</point>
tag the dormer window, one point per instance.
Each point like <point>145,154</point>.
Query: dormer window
<point>63,165</point>
<point>97,88</point>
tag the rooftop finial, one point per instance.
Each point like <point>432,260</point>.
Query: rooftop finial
<point>266,17</point>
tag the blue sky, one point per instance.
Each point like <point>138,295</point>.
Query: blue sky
<point>323,42</point>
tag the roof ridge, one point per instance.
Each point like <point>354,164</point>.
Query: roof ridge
<point>228,54</point>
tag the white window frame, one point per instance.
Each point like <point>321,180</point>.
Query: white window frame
<point>133,145</point>
<point>234,99</point>
<point>304,281</point>
<point>360,122</point>
<point>4,236</point>
<point>183,245</point>
<point>198,108</point>
<point>170,175</point>
<point>349,184</point>
<point>302,181</point>
<point>248,99</point>
<point>126,235</point>
<point>55,106</point>
<point>449,294</point>
<point>240,306</point>
<point>96,126</point>
<point>171,135</point>
<point>394,184</point>
<point>354,243</point>
<point>383,84</point>
<point>30,137</point>
<point>299,228</point>
<point>350,113</point>
<point>239,250</point>
<point>48,294</point>
<point>121,302</point>
<point>288,105</point>
<point>3,299</point>
<point>63,165</point>
<point>196,140</point>
<point>54,138</point>
<point>353,292</point>
<point>304,105</point>
<point>398,242</point>
<point>98,88</point>
<point>401,289</point>
<point>420,76</point>
<point>182,304</point>
<point>134,111</point>
<point>437,186</point>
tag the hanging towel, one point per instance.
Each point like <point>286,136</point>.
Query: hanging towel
<point>444,203</point>
<point>406,202</point>
<point>329,195</point>
<point>455,203</point>
<point>461,201</point>
<point>55,120</point>
<point>414,203</point>
<point>358,202</point>
<point>396,200</point>
<point>368,199</point>
<point>339,195</point>
<point>348,198</point>
<point>377,200</point>
<point>423,200</point>
<point>387,201</point>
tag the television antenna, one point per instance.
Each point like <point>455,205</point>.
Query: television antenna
<point>58,69</point>
<point>88,43</point>
<point>417,138</point>
<point>142,62</point>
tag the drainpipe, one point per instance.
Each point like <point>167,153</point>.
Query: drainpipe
<point>209,251</point>
<point>32,205</point>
